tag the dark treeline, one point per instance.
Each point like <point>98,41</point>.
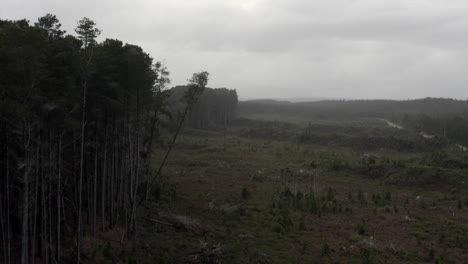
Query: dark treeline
<point>214,107</point>
<point>453,127</point>
<point>443,117</point>
<point>78,121</point>
<point>436,107</point>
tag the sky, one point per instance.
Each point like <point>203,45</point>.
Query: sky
<point>354,49</point>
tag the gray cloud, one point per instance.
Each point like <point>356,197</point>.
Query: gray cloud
<point>290,48</point>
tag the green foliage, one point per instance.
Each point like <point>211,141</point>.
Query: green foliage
<point>423,203</point>
<point>436,158</point>
<point>361,197</point>
<point>388,196</point>
<point>245,193</point>
<point>302,223</point>
<point>299,201</point>
<point>325,249</point>
<point>366,255</point>
<point>362,228</point>
<point>461,241</point>
<point>350,197</point>
<point>431,254</point>
<point>419,235</point>
<point>51,24</point>
<point>312,203</point>
<point>338,164</point>
<point>87,32</point>
<point>330,194</point>
<point>442,238</point>
<point>242,211</point>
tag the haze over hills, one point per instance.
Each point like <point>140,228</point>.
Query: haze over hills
<point>292,99</point>
<point>376,108</point>
<point>317,99</point>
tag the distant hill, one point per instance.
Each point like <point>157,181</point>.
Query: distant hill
<point>342,109</point>
<point>291,99</point>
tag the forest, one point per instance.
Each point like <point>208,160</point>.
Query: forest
<point>214,107</point>
<point>78,122</point>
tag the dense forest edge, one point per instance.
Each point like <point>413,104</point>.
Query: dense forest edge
<point>78,122</point>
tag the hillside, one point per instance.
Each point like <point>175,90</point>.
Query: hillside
<point>436,107</point>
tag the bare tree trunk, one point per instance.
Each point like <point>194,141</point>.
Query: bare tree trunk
<point>59,193</point>
<point>36,199</point>
<point>89,194</point>
<point>103,186</point>
<point>111,191</point>
<point>3,192</point>
<point>3,230</point>
<point>8,224</point>
<point>120,173</point>
<point>131,180</point>
<point>80,185</point>
<point>171,146</point>
<point>43,217</point>
<point>25,222</point>
<point>95,187</point>
<point>8,207</point>
<point>50,248</point>
<point>48,209</point>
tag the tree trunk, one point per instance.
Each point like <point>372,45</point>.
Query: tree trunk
<point>34,225</point>
<point>95,187</point>
<point>172,144</point>
<point>8,205</point>
<point>103,186</point>
<point>80,185</point>
<point>25,214</point>
<point>59,193</point>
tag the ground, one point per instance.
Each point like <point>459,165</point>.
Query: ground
<point>232,197</point>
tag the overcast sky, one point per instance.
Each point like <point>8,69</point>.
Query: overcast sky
<point>396,49</point>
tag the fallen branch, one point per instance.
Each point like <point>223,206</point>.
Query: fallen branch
<point>159,222</point>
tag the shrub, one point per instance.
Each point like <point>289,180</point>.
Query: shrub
<point>377,199</point>
<point>388,196</point>
<point>423,204</point>
<point>325,249</point>
<point>302,223</point>
<point>362,228</point>
<point>337,164</point>
<point>330,194</point>
<point>312,203</point>
<point>277,228</point>
<point>298,201</point>
<point>461,241</point>
<point>431,254</point>
<point>442,238</point>
<point>242,211</point>
<point>245,193</point>
<point>361,196</point>
<point>365,255</point>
